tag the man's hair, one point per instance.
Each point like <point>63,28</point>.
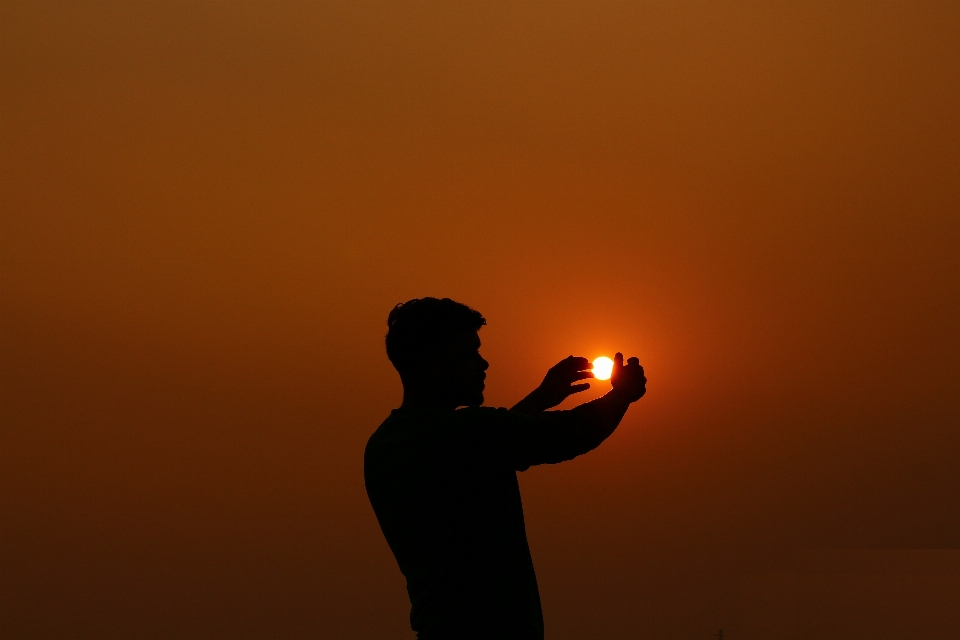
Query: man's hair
<point>426,325</point>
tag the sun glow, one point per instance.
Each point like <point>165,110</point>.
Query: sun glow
<point>602,368</point>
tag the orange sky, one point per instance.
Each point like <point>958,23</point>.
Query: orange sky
<point>207,210</point>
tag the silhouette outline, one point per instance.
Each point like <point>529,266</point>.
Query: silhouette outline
<point>440,471</point>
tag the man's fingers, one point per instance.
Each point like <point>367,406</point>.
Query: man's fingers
<point>582,375</point>
<point>618,359</point>
<point>577,388</point>
<point>574,363</point>
<point>634,361</point>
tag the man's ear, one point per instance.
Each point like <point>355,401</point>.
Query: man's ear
<point>427,366</point>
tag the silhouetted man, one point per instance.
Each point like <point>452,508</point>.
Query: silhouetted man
<point>441,471</point>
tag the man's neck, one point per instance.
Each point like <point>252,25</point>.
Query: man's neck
<point>414,399</point>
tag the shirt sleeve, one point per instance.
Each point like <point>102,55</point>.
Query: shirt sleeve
<point>523,440</point>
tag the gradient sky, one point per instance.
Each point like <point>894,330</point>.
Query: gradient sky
<point>208,209</point>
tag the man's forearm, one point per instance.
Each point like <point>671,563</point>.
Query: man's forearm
<point>568,434</point>
<point>563,435</point>
<point>533,403</point>
<point>605,413</point>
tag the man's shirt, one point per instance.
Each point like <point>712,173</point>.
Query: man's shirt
<point>444,488</point>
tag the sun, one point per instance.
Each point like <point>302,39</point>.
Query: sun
<point>602,368</point>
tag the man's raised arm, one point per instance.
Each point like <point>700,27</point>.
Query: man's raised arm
<point>557,385</point>
<point>562,435</point>
<point>603,415</point>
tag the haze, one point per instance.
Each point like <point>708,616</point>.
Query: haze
<point>208,209</point>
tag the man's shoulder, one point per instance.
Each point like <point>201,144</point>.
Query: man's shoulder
<point>493,415</point>
<point>409,426</point>
<point>406,424</point>
<point>488,420</point>
<point>482,413</point>
<point>391,428</point>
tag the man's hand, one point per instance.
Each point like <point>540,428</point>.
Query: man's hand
<point>558,384</point>
<point>628,380</point>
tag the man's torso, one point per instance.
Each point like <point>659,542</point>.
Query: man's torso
<point>446,495</point>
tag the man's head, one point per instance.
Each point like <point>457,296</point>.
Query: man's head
<point>435,347</point>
